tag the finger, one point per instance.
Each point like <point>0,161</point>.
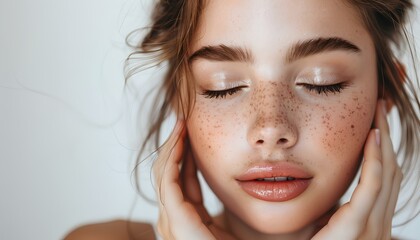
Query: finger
<point>169,158</point>
<point>367,191</point>
<point>380,116</point>
<point>169,152</point>
<point>164,154</point>
<point>174,210</point>
<point>391,160</point>
<point>182,217</point>
<point>163,225</point>
<point>350,220</point>
<point>191,185</point>
<point>189,178</point>
<point>392,203</point>
<point>376,223</point>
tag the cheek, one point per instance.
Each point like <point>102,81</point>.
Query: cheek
<point>349,125</point>
<point>342,130</point>
<point>209,133</point>
<point>202,129</point>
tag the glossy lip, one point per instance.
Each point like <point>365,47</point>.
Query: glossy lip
<point>282,169</point>
<point>274,191</point>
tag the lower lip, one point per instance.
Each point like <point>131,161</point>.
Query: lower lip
<point>275,191</point>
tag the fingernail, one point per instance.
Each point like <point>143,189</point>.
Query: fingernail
<point>378,137</point>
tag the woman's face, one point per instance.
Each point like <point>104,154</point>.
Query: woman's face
<point>285,89</point>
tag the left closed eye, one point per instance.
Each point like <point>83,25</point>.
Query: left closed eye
<point>221,93</point>
<point>324,89</point>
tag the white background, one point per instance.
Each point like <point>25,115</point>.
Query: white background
<point>67,128</point>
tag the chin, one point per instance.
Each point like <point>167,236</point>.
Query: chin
<point>280,220</point>
<point>276,225</point>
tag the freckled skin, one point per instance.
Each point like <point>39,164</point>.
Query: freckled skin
<point>273,118</point>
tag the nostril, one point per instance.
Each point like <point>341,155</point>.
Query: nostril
<point>260,141</point>
<point>282,141</point>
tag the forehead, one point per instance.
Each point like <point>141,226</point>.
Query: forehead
<point>275,24</point>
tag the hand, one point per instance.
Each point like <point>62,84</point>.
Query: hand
<point>182,214</point>
<point>369,213</point>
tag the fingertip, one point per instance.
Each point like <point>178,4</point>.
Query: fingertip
<point>372,152</point>
<point>382,121</point>
<point>373,141</point>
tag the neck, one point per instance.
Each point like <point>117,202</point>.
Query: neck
<point>235,226</point>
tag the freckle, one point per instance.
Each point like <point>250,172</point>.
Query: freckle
<point>352,126</point>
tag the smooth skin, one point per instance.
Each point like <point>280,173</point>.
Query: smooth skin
<point>276,113</point>
<point>270,116</point>
<point>368,215</point>
<point>326,134</point>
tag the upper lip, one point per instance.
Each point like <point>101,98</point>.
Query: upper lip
<point>280,169</point>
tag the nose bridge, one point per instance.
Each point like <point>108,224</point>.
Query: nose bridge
<point>272,116</point>
<point>272,104</point>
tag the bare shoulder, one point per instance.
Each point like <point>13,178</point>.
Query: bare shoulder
<point>113,230</point>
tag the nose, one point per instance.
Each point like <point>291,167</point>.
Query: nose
<point>271,134</point>
<point>273,126</point>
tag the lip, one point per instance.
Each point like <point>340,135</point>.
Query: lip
<point>275,191</point>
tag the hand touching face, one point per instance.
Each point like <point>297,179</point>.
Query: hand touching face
<point>281,85</point>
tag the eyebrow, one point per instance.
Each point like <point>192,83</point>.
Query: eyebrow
<point>318,45</point>
<point>298,50</point>
<point>222,53</point>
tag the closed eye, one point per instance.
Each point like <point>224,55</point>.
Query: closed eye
<point>324,89</point>
<point>221,93</point>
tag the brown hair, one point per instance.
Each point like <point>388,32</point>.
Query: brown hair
<point>169,38</point>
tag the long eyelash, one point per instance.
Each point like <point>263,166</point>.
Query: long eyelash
<point>319,89</point>
<point>335,88</point>
<point>221,93</point>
